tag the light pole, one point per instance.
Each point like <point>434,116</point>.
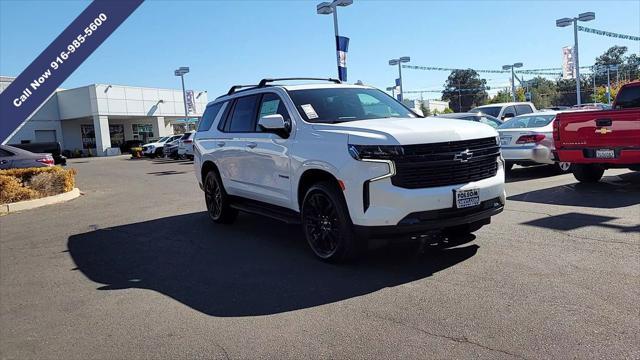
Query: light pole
<point>399,62</point>
<point>181,71</point>
<point>393,91</point>
<point>326,8</point>
<point>513,75</point>
<point>587,16</point>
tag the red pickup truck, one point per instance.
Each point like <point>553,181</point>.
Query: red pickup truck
<point>594,141</point>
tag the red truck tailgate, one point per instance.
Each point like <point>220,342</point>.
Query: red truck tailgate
<point>578,135</point>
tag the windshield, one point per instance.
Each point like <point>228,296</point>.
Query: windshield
<point>492,110</point>
<point>530,121</point>
<point>628,98</point>
<point>163,139</point>
<point>335,105</point>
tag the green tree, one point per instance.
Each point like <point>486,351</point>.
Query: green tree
<point>447,111</point>
<point>543,92</point>
<point>501,97</point>
<point>628,66</point>
<point>464,89</point>
<point>613,56</point>
<point>566,91</point>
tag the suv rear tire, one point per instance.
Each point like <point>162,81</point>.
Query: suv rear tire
<point>217,200</point>
<point>587,173</point>
<point>327,225</point>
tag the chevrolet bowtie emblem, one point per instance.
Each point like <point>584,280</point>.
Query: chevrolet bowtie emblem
<point>603,131</point>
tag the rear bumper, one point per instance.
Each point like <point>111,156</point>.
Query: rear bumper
<point>536,154</point>
<point>434,220</point>
<point>624,156</point>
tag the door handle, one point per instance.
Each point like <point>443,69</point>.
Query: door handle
<point>603,122</point>
<point>221,143</point>
<point>252,145</point>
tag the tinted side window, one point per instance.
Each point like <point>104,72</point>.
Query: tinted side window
<point>523,109</point>
<point>509,109</point>
<point>272,104</point>
<point>628,98</point>
<point>243,117</point>
<point>208,117</point>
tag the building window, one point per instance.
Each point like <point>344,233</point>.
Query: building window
<point>116,133</point>
<point>88,136</point>
<point>142,132</point>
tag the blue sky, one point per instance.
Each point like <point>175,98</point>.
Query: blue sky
<point>231,42</point>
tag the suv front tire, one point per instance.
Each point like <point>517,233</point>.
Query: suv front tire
<point>327,225</point>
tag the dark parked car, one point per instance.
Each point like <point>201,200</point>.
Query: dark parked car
<point>128,144</point>
<point>12,157</point>
<point>52,148</point>
<point>477,117</point>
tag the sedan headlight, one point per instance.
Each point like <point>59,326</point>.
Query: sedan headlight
<point>377,152</point>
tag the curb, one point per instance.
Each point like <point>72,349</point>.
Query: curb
<point>36,203</point>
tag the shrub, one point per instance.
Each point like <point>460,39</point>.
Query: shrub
<point>33,183</point>
<point>11,190</point>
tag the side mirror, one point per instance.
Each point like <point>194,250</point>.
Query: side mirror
<point>418,111</point>
<point>508,116</point>
<point>274,124</point>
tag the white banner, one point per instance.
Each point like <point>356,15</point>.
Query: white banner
<point>568,64</point>
<point>191,102</point>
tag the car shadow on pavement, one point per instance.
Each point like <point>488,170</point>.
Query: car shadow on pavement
<point>530,172</point>
<point>612,192</point>
<point>255,267</point>
<point>167,172</point>
<point>572,221</point>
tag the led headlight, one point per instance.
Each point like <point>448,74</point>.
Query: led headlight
<point>375,152</point>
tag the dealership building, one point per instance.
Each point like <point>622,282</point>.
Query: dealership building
<point>98,118</point>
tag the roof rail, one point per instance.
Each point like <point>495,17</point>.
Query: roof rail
<point>264,82</point>
<point>234,88</point>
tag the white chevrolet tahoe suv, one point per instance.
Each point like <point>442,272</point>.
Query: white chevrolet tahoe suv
<point>348,162</point>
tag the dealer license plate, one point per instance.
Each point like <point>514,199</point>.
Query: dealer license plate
<point>605,154</point>
<point>467,198</point>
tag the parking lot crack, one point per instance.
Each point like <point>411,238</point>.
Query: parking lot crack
<point>463,339</point>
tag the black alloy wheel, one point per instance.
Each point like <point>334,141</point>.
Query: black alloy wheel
<point>327,225</point>
<point>322,225</point>
<point>216,200</point>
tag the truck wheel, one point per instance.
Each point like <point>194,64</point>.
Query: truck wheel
<point>587,173</point>
<point>217,200</point>
<point>327,225</point>
<point>563,167</point>
<point>158,152</point>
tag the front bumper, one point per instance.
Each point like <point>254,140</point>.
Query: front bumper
<point>427,221</point>
<point>537,154</point>
<point>383,204</point>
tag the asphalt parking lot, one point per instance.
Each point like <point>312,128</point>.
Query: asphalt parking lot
<point>134,269</point>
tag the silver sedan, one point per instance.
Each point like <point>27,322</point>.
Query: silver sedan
<point>12,157</point>
<point>528,140</point>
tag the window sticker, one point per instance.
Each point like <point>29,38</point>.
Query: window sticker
<point>308,109</point>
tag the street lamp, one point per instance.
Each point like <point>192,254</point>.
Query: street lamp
<point>587,16</point>
<point>181,71</point>
<point>393,91</point>
<point>513,80</point>
<point>326,8</point>
<point>399,62</point>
